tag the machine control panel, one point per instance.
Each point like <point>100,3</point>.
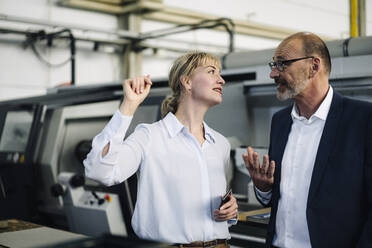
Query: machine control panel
<point>96,199</point>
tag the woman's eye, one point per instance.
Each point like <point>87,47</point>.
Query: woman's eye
<point>211,71</point>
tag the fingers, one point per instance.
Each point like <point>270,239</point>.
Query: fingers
<point>136,85</point>
<point>248,159</point>
<point>148,79</point>
<point>250,155</point>
<point>252,162</point>
<point>128,85</point>
<point>247,164</point>
<point>271,169</point>
<point>222,217</point>
<point>228,203</point>
<point>227,211</point>
<point>135,90</point>
<point>256,162</point>
<point>139,84</point>
<point>265,164</point>
<point>262,175</point>
<point>148,83</point>
<point>253,159</point>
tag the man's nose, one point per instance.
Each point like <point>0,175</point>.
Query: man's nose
<point>274,73</point>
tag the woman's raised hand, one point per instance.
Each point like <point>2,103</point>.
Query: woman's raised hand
<point>135,90</point>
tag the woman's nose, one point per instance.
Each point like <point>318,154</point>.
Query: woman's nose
<point>221,80</point>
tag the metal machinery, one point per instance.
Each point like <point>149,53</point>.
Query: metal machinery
<point>89,212</point>
<point>42,137</point>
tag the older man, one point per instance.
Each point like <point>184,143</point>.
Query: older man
<point>318,175</point>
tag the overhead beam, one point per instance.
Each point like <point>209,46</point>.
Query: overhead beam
<point>156,11</point>
<point>138,6</point>
<point>178,16</point>
<point>118,2</point>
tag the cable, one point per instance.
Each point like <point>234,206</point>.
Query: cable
<point>45,61</point>
<point>209,23</point>
<point>33,37</point>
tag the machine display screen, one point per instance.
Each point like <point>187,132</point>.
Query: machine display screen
<point>16,130</point>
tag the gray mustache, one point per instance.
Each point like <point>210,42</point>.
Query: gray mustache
<point>280,81</point>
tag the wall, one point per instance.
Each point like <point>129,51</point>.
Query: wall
<point>23,74</point>
<point>325,18</point>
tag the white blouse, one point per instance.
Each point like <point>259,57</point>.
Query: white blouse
<point>180,183</point>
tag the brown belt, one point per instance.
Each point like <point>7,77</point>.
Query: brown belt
<point>204,244</point>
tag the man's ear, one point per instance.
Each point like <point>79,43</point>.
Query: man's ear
<point>315,67</point>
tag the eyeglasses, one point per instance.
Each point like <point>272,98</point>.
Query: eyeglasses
<point>280,64</point>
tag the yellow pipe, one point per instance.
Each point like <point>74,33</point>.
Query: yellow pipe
<point>354,31</point>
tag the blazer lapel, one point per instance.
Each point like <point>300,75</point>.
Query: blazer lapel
<point>283,137</point>
<point>280,141</point>
<point>326,143</point>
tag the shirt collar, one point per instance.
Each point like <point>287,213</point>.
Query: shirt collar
<point>174,126</point>
<point>209,135</point>
<point>321,112</point>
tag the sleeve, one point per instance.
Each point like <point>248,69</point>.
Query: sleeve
<point>366,234</point>
<point>263,197</point>
<point>227,164</point>
<point>233,221</point>
<point>123,158</point>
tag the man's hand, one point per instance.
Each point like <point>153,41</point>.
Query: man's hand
<point>262,175</point>
<point>135,90</point>
<point>227,211</point>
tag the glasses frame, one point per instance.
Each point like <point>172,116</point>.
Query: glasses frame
<point>280,65</point>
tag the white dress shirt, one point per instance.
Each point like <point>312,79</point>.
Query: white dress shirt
<point>180,183</point>
<point>291,228</point>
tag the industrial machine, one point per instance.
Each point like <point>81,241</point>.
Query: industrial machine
<point>17,147</point>
<point>43,137</point>
<point>89,212</point>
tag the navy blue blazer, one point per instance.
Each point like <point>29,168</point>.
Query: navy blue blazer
<point>339,207</point>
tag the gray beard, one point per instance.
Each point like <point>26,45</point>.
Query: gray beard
<point>289,93</point>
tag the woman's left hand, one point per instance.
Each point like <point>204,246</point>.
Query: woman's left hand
<point>227,211</point>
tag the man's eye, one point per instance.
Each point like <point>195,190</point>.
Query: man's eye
<point>211,71</point>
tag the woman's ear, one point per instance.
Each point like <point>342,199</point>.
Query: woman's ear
<point>186,82</point>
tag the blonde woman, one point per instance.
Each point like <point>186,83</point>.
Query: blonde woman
<point>181,160</point>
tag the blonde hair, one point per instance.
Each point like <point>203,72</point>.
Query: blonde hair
<point>184,66</point>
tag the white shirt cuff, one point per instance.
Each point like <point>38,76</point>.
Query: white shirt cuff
<point>231,222</point>
<point>264,197</point>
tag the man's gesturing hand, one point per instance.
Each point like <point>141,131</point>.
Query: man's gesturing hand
<point>262,175</point>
